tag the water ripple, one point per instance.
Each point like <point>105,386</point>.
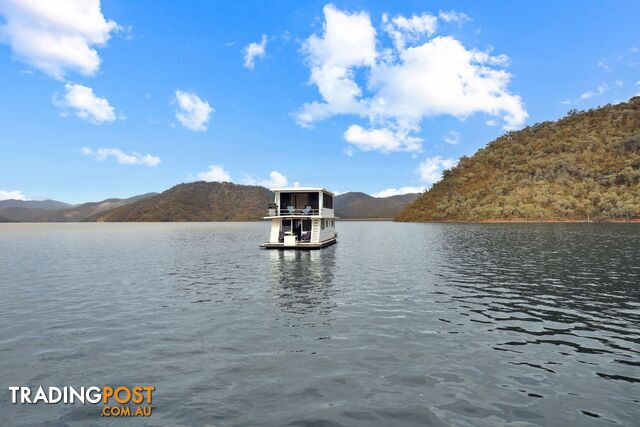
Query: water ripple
<point>398,324</point>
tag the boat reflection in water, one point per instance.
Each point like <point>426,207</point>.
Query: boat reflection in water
<point>302,282</point>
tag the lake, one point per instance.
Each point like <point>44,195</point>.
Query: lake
<point>397,324</point>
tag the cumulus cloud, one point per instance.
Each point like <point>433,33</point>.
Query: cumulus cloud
<point>402,85</point>
<point>275,180</point>
<point>56,36</point>
<point>218,173</point>
<point>215,173</point>
<point>384,140</point>
<point>121,157</point>
<point>349,41</point>
<point>12,195</point>
<point>85,104</point>
<point>430,170</point>
<point>398,191</point>
<point>193,112</point>
<point>253,51</point>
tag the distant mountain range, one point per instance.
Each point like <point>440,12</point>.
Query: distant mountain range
<point>34,204</point>
<point>585,166</point>
<point>361,205</point>
<point>196,201</point>
<point>54,211</point>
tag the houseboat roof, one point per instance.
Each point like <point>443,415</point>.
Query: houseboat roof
<point>300,190</point>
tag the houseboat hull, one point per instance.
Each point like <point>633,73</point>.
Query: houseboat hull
<point>300,245</point>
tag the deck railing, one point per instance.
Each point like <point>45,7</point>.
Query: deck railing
<point>293,212</point>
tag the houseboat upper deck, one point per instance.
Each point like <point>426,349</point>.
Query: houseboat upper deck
<point>301,218</point>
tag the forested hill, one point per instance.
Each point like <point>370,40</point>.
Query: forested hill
<point>585,166</point>
<point>196,201</point>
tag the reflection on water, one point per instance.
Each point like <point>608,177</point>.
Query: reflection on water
<point>550,288</point>
<point>397,324</point>
<point>301,281</point>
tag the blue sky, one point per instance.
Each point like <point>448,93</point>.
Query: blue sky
<point>120,98</point>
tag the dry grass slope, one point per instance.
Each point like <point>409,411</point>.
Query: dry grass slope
<point>585,166</point>
<point>196,201</point>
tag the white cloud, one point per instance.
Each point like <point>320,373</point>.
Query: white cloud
<point>430,170</point>
<point>215,173</point>
<point>452,137</point>
<point>405,84</point>
<point>384,140</point>
<point>12,195</point>
<point>349,41</point>
<point>491,122</point>
<point>442,77</point>
<point>218,173</point>
<point>56,36</point>
<point>403,30</point>
<point>455,17</point>
<point>193,113</point>
<point>275,180</point>
<point>634,49</point>
<point>398,191</point>
<point>121,157</point>
<point>253,51</point>
<point>85,104</point>
<point>602,88</point>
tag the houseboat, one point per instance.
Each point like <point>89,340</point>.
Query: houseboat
<point>301,218</point>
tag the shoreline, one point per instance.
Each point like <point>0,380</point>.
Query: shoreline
<point>486,221</point>
<point>525,221</point>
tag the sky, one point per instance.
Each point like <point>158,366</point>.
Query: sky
<point>120,98</point>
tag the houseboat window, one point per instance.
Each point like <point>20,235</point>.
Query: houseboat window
<point>322,224</point>
<point>286,225</point>
<point>306,225</point>
<point>299,200</point>
<point>327,201</point>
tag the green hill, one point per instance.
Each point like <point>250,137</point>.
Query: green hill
<point>585,166</point>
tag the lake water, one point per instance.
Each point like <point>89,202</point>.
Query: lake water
<point>397,324</point>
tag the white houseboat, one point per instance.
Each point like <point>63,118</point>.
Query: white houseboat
<point>301,218</point>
